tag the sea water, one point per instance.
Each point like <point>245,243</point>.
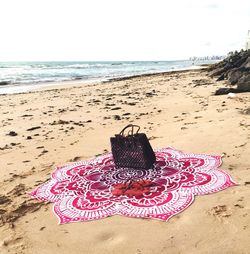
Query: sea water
<point>18,77</point>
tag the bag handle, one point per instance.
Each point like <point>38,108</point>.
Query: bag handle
<point>131,131</point>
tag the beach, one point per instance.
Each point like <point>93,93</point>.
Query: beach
<point>54,126</point>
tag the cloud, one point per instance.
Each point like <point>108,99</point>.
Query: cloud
<point>207,44</point>
<point>120,30</point>
<point>213,6</point>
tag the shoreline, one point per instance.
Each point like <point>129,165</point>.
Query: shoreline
<point>19,88</point>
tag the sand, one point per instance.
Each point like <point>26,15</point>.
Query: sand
<point>47,128</point>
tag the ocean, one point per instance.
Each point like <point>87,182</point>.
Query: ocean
<point>16,77</point>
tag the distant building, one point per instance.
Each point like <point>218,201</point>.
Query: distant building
<point>248,40</point>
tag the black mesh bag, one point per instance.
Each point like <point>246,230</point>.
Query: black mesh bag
<point>133,150</point>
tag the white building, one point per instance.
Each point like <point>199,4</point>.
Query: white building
<point>248,40</point>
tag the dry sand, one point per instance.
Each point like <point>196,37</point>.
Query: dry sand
<point>57,126</point>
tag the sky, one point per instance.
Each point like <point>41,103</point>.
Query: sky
<point>120,30</point>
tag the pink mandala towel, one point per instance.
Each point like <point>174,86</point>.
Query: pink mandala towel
<point>95,189</point>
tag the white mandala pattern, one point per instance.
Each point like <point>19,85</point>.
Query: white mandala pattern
<point>95,189</point>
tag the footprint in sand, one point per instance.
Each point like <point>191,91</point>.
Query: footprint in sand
<point>17,190</point>
<point>239,206</point>
<point>10,241</point>
<point>4,200</point>
<point>110,237</point>
<point>220,211</point>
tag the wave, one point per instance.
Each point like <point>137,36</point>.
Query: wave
<point>65,65</point>
<point>42,72</point>
<point>69,66</point>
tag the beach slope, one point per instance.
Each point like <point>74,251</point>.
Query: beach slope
<point>52,127</point>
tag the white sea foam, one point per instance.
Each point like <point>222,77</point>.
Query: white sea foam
<point>27,75</point>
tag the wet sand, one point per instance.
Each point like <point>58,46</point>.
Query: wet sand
<point>48,128</point>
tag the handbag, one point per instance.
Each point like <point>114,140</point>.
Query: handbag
<point>133,150</point>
